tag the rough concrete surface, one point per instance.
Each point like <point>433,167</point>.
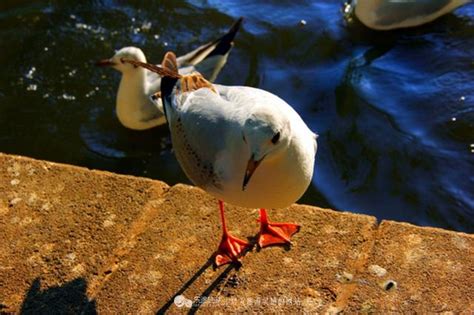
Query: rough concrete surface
<point>79,241</point>
<point>427,269</point>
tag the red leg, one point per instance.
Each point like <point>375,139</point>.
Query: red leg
<point>230,248</point>
<point>273,233</point>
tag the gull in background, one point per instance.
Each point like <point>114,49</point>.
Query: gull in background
<point>242,145</point>
<point>134,108</point>
<point>392,14</point>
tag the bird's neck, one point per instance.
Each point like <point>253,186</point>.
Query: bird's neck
<point>132,99</point>
<point>132,85</point>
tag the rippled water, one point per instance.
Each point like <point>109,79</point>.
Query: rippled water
<point>394,110</point>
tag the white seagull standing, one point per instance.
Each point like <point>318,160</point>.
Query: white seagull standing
<point>391,14</point>
<point>134,108</point>
<point>242,145</point>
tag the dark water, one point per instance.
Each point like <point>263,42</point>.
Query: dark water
<point>394,110</point>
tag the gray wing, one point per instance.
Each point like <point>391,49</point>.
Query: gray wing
<point>200,129</point>
<point>395,11</point>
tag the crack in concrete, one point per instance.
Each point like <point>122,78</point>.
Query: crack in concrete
<point>357,266</point>
<point>138,227</point>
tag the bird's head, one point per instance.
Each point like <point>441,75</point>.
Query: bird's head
<point>116,62</point>
<point>267,135</point>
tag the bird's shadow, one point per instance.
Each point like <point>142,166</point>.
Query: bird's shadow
<point>199,301</point>
<point>68,298</point>
<point>286,247</point>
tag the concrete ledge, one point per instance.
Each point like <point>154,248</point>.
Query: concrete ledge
<point>74,240</point>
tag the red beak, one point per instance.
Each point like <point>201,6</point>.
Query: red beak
<point>251,167</point>
<point>105,63</point>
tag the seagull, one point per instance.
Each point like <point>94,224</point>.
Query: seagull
<point>242,145</point>
<point>133,106</point>
<point>392,14</point>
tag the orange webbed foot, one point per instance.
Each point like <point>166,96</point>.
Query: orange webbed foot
<point>230,250</point>
<point>275,233</point>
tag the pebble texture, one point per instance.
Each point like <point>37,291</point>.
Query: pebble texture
<point>74,240</point>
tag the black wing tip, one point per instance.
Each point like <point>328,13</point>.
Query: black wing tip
<point>233,30</point>
<point>236,26</point>
<point>225,43</point>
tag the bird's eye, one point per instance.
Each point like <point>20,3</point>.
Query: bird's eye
<point>275,138</point>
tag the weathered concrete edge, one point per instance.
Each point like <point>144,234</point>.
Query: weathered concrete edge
<point>107,173</point>
<point>358,265</point>
<point>383,223</point>
<point>80,168</point>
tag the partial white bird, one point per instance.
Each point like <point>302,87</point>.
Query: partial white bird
<point>392,14</point>
<point>133,106</point>
<point>242,145</point>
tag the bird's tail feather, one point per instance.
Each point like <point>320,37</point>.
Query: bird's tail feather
<point>169,62</point>
<point>188,83</point>
<point>168,83</point>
